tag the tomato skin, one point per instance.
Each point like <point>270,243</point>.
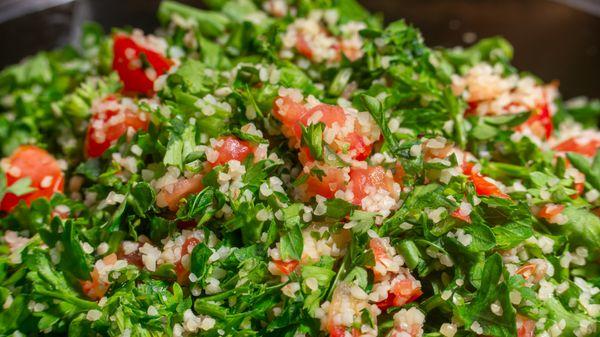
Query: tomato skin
<point>36,164</point>
<point>337,330</point>
<point>457,215</point>
<point>100,123</point>
<point>303,47</point>
<point>358,144</point>
<point>482,186</point>
<point>286,267</point>
<point>231,148</point>
<point>127,61</point>
<point>95,288</point>
<point>471,109</point>
<point>588,149</point>
<point>170,196</point>
<point>373,177</point>
<point>290,113</point>
<point>486,188</point>
<point>403,293</point>
<point>189,243</point>
<point>541,121</point>
<point>527,270</point>
<point>550,210</point>
<point>525,327</point>
<point>327,185</point>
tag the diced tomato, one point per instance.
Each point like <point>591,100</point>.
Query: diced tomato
<point>183,275</point>
<point>326,185</point>
<point>134,258</point>
<point>137,65</point>
<point>373,177</point>
<point>337,330</point>
<point>189,245</point>
<point>379,248</point>
<point>527,270</point>
<point>290,113</point>
<point>387,303</point>
<point>381,252</point>
<point>482,186</point>
<point>95,288</point>
<point>172,194</point>
<point>467,168</point>
<point>471,109</point>
<point>540,122</point>
<point>303,47</point>
<point>109,123</point>
<point>548,211</point>
<point>358,145</point>
<point>286,267</point>
<point>587,148</point>
<point>328,114</point>
<point>525,327</point>
<point>579,188</point>
<point>399,174</point>
<point>231,148</point>
<point>404,292</point>
<point>32,162</point>
<point>458,215</point>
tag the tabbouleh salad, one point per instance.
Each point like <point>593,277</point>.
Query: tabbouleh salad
<point>289,168</point>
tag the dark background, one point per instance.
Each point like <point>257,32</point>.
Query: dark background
<point>553,39</point>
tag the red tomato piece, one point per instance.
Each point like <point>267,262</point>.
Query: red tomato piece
<point>550,210</point>
<point>289,113</point>
<point>541,122</point>
<point>358,145</point>
<point>404,292</point>
<point>526,270</point>
<point>337,330</point>
<point>588,148</point>
<point>525,326</point>
<point>189,245</point>
<point>32,162</point>
<point>303,47</point>
<point>458,215</point>
<point>482,186</point>
<point>95,288</point>
<point>109,123</point>
<point>231,148</point>
<point>471,109</point>
<point>379,249</point>
<point>286,267</point>
<point>328,114</point>
<point>326,185</point>
<point>170,195</point>
<point>579,188</point>
<point>137,65</point>
<point>373,177</point>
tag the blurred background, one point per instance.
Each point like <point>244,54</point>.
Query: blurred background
<point>555,39</point>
